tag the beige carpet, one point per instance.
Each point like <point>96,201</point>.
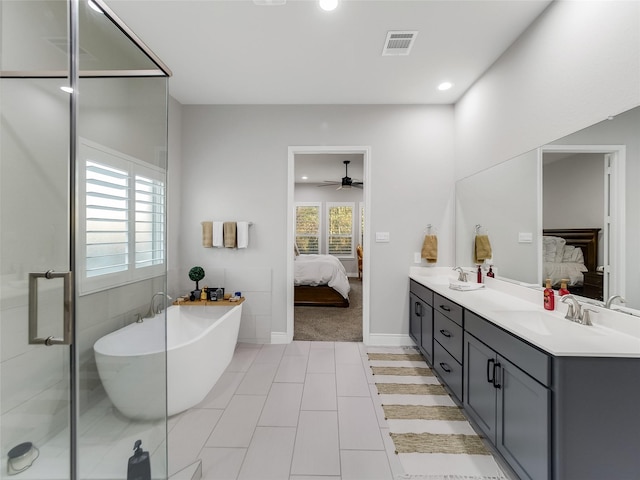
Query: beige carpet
<point>331,324</point>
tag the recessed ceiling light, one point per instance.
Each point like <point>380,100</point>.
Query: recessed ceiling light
<point>305,178</point>
<point>328,5</point>
<point>67,89</point>
<point>445,86</point>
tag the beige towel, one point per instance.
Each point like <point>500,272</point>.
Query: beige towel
<point>229,233</point>
<point>482,249</point>
<point>430,248</point>
<point>207,234</point>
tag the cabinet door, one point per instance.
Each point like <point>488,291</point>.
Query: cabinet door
<point>427,332</point>
<point>480,396</point>
<point>523,422</point>
<point>415,320</point>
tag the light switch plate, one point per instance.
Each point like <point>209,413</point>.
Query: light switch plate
<point>416,257</point>
<point>525,237</point>
<point>382,237</point>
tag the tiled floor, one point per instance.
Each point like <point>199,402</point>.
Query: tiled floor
<point>301,411</point>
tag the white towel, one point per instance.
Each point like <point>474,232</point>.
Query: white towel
<point>217,240</point>
<point>242,232</point>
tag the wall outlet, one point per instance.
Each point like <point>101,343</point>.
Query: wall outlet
<point>416,257</point>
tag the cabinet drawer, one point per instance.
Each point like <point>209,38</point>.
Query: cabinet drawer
<point>448,368</point>
<point>449,334</point>
<point>526,357</point>
<point>448,308</point>
<point>421,291</point>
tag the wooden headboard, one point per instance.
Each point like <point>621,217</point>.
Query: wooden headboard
<point>584,238</point>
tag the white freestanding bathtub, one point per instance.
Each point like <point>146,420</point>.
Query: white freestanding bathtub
<point>200,341</point>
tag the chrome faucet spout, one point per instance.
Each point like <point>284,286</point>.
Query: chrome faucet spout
<point>574,310</point>
<point>462,275</point>
<point>613,298</point>
<point>151,312</point>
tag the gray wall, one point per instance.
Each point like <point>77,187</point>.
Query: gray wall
<point>235,168</point>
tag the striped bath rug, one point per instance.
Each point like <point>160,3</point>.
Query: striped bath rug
<point>430,433</point>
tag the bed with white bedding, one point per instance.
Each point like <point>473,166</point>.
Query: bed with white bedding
<point>320,280</point>
<point>569,254</point>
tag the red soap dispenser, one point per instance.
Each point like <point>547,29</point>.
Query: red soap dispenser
<point>479,274</point>
<point>490,272</point>
<point>549,297</point>
<point>563,288</point>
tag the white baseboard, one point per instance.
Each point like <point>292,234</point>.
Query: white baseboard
<point>280,338</point>
<point>390,340</point>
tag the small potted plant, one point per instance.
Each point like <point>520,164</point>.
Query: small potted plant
<point>196,274</point>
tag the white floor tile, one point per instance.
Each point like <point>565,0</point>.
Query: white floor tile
<point>319,392</point>
<point>351,381</point>
<point>222,392</point>
<point>269,455</point>
<point>299,348</point>
<point>189,435</point>
<point>221,463</point>
<point>348,352</point>
<point>292,368</point>
<point>321,360</point>
<point>238,422</point>
<point>242,359</point>
<point>359,428</point>
<point>257,380</point>
<point>364,465</point>
<point>270,354</point>
<point>316,450</point>
<point>282,406</point>
<point>321,345</point>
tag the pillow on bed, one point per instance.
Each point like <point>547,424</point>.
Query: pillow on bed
<point>552,248</point>
<point>572,254</point>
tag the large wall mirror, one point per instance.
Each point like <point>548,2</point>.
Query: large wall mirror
<point>567,210</point>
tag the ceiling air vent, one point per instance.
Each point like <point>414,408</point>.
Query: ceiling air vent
<point>399,43</point>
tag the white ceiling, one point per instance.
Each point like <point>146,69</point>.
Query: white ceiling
<point>327,167</point>
<point>236,52</point>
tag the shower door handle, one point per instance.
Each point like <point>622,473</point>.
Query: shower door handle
<point>34,339</point>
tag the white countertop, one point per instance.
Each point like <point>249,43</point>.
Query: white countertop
<point>524,316</point>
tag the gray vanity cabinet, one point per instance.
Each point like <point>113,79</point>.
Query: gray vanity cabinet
<point>507,403</point>
<point>421,319</point>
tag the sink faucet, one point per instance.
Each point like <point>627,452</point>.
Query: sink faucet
<point>462,275</point>
<point>612,298</point>
<point>574,311</point>
<point>151,312</point>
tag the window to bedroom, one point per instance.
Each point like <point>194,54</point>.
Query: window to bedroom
<point>340,223</point>
<point>308,222</point>
<point>121,234</point>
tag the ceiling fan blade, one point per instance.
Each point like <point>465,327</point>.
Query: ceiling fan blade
<point>328,184</point>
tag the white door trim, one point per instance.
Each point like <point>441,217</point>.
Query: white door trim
<point>366,152</point>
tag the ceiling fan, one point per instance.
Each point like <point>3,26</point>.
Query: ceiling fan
<point>346,182</point>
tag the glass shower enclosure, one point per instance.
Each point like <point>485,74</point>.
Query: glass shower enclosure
<point>83,142</point>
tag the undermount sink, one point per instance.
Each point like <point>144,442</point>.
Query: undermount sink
<point>545,324</point>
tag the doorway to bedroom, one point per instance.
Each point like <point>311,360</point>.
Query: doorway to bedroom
<point>327,274</point>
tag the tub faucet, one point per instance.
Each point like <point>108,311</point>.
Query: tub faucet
<point>462,275</point>
<point>151,312</point>
<point>574,311</point>
<point>612,298</point>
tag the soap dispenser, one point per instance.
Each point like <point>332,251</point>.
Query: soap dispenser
<point>563,288</point>
<point>549,296</point>
<point>490,272</point>
<point>139,467</point>
<point>479,274</point>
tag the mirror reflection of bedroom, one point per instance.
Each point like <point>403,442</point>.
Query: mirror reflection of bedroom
<point>574,205</point>
<point>329,213</point>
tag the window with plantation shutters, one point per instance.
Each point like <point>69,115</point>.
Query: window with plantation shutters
<point>308,223</point>
<point>340,223</point>
<point>121,228</point>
